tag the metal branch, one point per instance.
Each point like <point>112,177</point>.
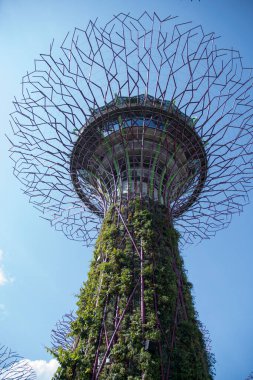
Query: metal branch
<point>14,367</point>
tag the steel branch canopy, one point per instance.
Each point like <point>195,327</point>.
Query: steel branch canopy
<point>141,107</point>
<point>14,367</point>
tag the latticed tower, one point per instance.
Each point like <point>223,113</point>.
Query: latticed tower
<point>146,125</point>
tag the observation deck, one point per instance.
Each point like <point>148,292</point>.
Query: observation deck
<point>139,147</point>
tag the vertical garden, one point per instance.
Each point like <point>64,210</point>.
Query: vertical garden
<point>136,317</point>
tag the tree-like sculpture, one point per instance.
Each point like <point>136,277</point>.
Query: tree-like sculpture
<point>146,125</point>
<point>13,366</point>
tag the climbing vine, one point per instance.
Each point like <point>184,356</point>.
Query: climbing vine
<point>136,317</point>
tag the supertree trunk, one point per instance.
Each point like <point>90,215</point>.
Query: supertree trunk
<point>136,318</point>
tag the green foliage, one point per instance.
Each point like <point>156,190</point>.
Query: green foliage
<point>170,332</point>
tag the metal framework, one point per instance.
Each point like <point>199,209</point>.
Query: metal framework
<point>124,81</point>
<point>14,367</point>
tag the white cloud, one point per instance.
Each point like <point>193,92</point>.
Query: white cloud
<point>44,370</point>
<point>3,277</point>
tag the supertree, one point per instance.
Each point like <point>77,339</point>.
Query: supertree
<point>13,366</point>
<point>143,125</point>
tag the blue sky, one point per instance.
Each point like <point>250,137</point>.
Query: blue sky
<point>40,270</point>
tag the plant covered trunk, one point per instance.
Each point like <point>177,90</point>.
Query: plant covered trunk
<point>136,317</point>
